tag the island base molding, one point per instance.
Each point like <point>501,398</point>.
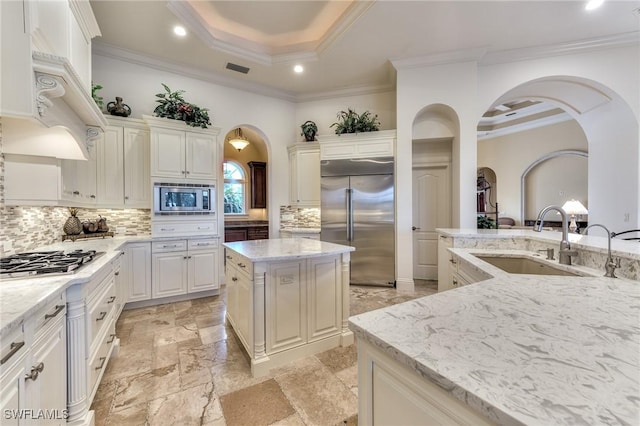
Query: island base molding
<point>261,366</point>
<point>390,393</point>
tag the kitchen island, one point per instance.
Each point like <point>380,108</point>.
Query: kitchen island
<point>287,298</point>
<point>511,349</point>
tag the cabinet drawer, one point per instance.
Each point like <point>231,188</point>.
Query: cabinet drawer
<point>12,348</point>
<point>184,228</point>
<point>169,246</point>
<point>202,244</point>
<point>48,315</point>
<point>242,264</point>
<point>99,312</point>
<point>99,360</point>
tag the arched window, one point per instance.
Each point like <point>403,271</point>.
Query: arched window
<point>234,188</point>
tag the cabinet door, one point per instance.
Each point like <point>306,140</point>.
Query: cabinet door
<point>258,184</point>
<point>203,271</point>
<point>86,178</point>
<point>285,306</point>
<point>137,187</point>
<point>110,185</point>
<point>168,153</point>
<point>201,156</point>
<point>444,265</point>
<point>138,272</point>
<point>12,392</point>
<point>324,297</point>
<point>169,274</point>
<point>231,284</point>
<point>49,390</point>
<point>244,314</point>
<point>304,164</point>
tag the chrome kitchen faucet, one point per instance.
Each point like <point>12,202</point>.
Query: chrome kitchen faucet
<point>610,266</point>
<point>565,246</point>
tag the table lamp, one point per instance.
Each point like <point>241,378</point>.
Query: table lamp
<point>573,208</point>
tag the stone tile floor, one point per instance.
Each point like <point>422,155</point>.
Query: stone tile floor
<point>181,364</point>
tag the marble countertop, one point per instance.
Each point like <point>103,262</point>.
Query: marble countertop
<point>524,349</point>
<point>21,297</point>
<point>285,248</point>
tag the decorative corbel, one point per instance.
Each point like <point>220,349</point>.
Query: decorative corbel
<point>93,133</point>
<point>47,87</point>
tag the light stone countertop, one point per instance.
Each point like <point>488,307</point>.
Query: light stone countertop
<point>21,297</point>
<point>523,349</point>
<point>285,248</point>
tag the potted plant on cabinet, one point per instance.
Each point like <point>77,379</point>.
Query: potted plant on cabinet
<point>309,130</point>
<point>350,122</point>
<point>172,105</point>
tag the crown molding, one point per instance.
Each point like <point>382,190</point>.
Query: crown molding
<point>346,91</point>
<point>574,47</point>
<point>110,51</point>
<point>261,54</point>
<point>454,56</point>
<point>529,125</point>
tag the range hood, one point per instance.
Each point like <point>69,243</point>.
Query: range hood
<point>64,119</point>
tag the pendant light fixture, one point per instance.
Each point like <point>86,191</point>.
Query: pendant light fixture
<point>239,142</point>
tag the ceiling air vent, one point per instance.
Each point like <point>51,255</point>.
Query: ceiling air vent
<point>238,68</point>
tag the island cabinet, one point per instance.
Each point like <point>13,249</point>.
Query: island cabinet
<point>287,298</point>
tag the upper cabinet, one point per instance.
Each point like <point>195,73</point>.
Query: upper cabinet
<point>123,165</point>
<point>304,174</point>
<point>182,153</point>
<point>258,184</point>
<point>358,145</point>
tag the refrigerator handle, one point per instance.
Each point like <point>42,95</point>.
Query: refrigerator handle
<point>349,215</point>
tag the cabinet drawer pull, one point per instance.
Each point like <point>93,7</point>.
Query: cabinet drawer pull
<point>101,317</point>
<point>59,309</point>
<point>113,337</point>
<point>35,372</point>
<point>167,229</point>
<point>15,347</point>
<point>76,192</point>
<point>203,244</point>
<point>188,172</point>
<point>455,282</point>
<point>234,279</point>
<point>242,265</point>
<point>169,246</point>
<point>453,261</point>
<point>102,360</point>
<point>229,257</point>
<point>116,273</point>
<point>92,196</point>
<point>204,227</point>
<point>111,299</point>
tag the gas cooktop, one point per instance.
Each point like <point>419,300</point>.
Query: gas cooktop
<point>45,263</point>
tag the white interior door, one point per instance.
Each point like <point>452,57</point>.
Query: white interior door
<point>431,210</point>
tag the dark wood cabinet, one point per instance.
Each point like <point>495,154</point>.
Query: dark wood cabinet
<point>244,233</point>
<point>231,235</point>
<point>258,184</point>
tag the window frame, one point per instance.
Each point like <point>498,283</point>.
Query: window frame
<point>242,182</point>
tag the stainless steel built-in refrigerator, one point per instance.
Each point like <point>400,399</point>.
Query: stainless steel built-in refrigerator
<point>357,203</point>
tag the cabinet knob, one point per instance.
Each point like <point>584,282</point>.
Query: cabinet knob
<point>126,197</point>
<point>76,192</point>
<point>92,196</point>
<point>234,279</point>
<point>188,172</point>
<point>455,282</point>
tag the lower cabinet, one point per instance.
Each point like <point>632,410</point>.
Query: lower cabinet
<point>33,369</point>
<point>136,270</point>
<point>184,266</point>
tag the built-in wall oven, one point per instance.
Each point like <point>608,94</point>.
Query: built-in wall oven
<point>178,198</point>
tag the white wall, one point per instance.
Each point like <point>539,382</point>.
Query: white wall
<point>510,155</point>
<point>229,108</point>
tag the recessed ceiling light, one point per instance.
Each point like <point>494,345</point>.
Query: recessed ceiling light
<point>593,4</point>
<point>298,69</point>
<point>178,30</point>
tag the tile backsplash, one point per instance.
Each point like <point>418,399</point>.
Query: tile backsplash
<point>295,217</point>
<point>25,228</point>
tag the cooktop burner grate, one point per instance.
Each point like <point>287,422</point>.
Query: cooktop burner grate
<point>45,262</point>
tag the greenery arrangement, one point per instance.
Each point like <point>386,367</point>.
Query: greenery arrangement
<point>94,94</point>
<point>172,105</point>
<point>485,222</point>
<point>309,130</point>
<point>350,122</point>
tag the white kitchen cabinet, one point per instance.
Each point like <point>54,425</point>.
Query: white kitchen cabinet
<point>137,271</point>
<point>181,152</point>
<point>444,263</point>
<point>184,266</point>
<point>358,145</point>
<point>304,174</point>
<point>119,273</point>
<point>389,393</point>
<point>79,179</point>
<point>33,371</point>
<point>123,176</point>
<point>169,274</point>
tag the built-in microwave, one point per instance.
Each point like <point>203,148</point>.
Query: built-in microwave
<point>178,198</point>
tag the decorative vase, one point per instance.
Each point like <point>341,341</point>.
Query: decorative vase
<point>118,108</point>
<point>72,226</point>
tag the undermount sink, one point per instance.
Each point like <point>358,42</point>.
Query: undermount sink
<point>524,265</point>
